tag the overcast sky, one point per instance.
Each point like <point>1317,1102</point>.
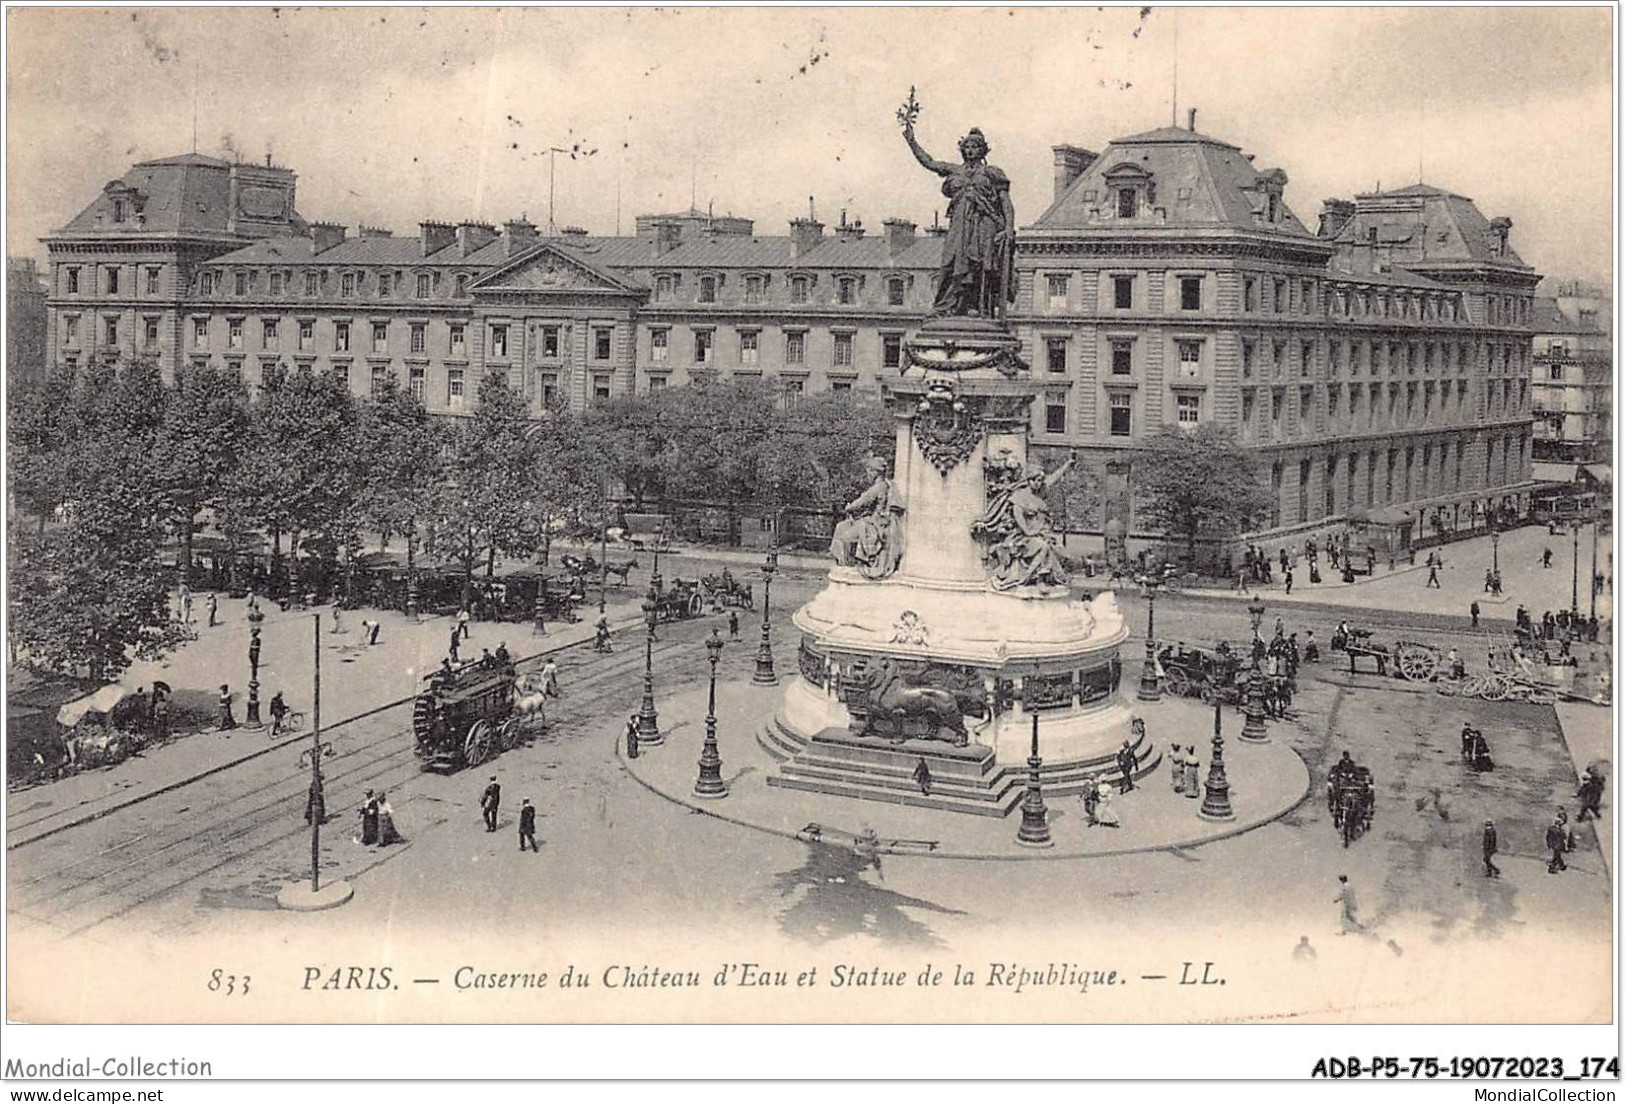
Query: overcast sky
<point>395,115</point>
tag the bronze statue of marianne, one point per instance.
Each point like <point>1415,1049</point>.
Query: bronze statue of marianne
<point>978,277</point>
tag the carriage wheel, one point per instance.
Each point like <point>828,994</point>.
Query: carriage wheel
<point>508,734</point>
<point>1176,682</point>
<point>1495,688</point>
<point>1417,662</point>
<point>694,605</point>
<point>477,745</point>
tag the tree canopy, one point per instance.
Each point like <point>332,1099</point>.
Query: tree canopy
<point>1200,483</point>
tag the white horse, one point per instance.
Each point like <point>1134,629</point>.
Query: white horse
<point>530,700</point>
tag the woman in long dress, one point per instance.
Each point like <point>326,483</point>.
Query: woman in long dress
<point>1176,759</point>
<point>386,823</point>
<point>1193,774</point>
<point>1105,814</point>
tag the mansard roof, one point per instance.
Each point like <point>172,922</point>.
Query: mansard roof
<point>1200,181</point>
<point>1424,224</point>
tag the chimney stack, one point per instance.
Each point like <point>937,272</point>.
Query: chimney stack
<point>520,234</point>
<point>668,236</point>
<point>364,232</point>
<point>805,234</point>
<point>1334,215</point>
<point>936,229</point>
<point>435,236</point>
<point>849,231</point>
<point>474,236</point>
<point>1070,163</point>
<point>1501,227</point>
<point>1191,126</point>
<point>325,235</point>
<point>899,235</point>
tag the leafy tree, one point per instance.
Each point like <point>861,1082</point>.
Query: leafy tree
<point>38,428</point>
<point>299,476</point>
<point>404,471</point>
<point>714,450</point>
<point>1200,483</point>
<point>569,474</point>
<point>816,449</point>
<point>205,432</point>
<point>629,436</point>
<point>87,595</point>
<point>490,472</point>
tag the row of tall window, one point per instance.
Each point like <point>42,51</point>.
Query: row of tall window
<point>1292,295</point>
<point>709,288</point>
<point>1379,406</point>
<point>109,279</point>
<point>1400,475</point>
<point>746,347</point>
<point>347,283</point>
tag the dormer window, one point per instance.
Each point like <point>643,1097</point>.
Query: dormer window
<point>708,289</point>
<point>753,288</point>
<point>894,292</point>
<point>118,210</point>
<point>847,290</point>
<point>798,289</point>
<point>664,287</point>
<point>1130,188</point>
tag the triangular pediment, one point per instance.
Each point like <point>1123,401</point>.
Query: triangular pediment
<point>551,267</point>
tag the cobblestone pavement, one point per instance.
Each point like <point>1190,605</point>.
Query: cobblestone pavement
<point>624,875</point>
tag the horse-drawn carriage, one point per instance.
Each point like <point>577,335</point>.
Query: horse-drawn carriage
<point>1352,797</point>
<point>471,713</point>
<point>724,591</point>
<point>585,569</point>
<point>1206,673</point>
<point>679,600</point>
<point>1411,660</point>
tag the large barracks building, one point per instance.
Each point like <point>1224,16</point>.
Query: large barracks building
<point>1379,363</point>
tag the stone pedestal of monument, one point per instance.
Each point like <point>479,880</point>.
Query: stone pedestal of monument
<point>954,617</point>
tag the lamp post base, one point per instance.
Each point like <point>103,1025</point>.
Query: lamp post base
<point>1034,830</point>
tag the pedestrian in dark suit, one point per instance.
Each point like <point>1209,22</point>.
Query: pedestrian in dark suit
<point>456,636</point>
<point>1491,846</point>
<point>1126,762</point>
<point>527,825</point>
<point>491,801</point>
<point>227,721</point>
<point>1557,839</point>
<point>922,777</point>
<point>733,624</point>
<point>1473,609</point>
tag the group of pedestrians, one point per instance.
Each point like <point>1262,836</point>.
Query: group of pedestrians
<point>491,806</point>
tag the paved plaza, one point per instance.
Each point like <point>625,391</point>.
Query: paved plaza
<point>628,874</point>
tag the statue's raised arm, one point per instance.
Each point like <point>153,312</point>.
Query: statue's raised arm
<point>977,276</point>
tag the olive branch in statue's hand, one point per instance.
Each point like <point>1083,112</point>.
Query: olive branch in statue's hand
<point>909,111</point>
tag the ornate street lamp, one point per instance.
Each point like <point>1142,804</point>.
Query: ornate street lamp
<point>1495,551</point>
<point>654,579</point>
<point>765,675</point>
<point>1574,590</point>
<point>1216,805</point>
<point>1253,731</point>
<point>710,783</point>
<point>1255,611</point>
<point>648,721</point>
<point>603,559</point>
<point>1034,830</point>
<point>253,718</point>
<point>1150,689</point>
<point>1593,564</point>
